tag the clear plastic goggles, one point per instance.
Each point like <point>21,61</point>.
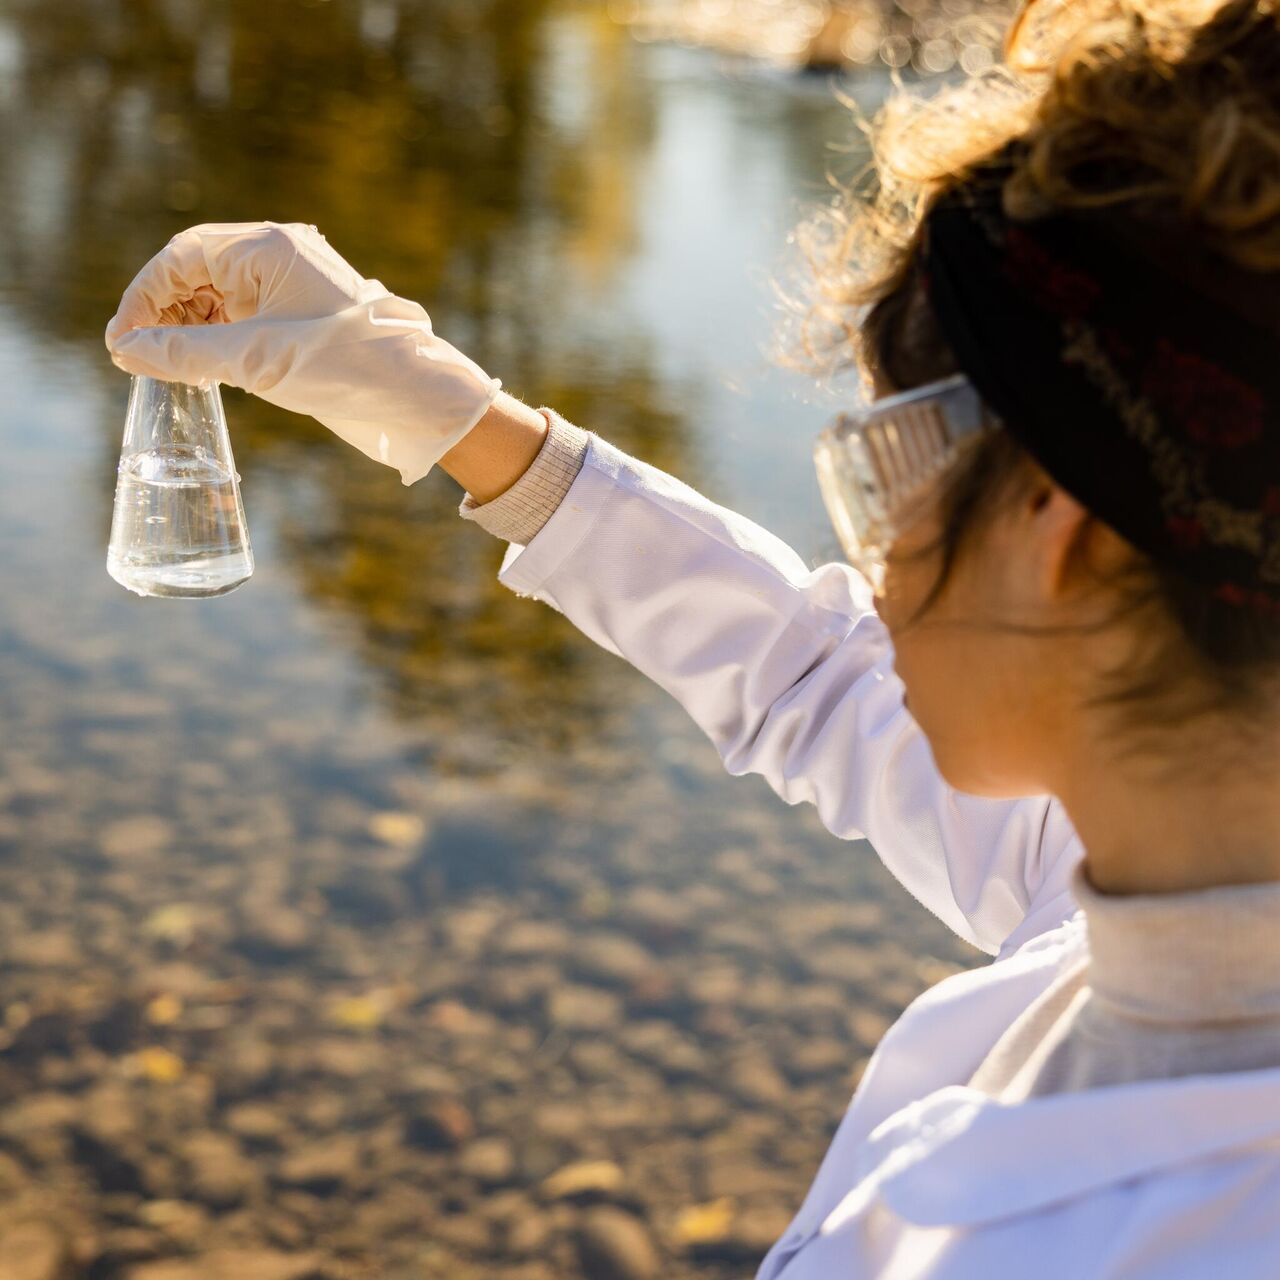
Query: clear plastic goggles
<point>876,467</point>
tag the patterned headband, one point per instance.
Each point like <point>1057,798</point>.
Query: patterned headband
<point>1141,371</point>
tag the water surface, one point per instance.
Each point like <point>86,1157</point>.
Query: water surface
<point>340,914</point>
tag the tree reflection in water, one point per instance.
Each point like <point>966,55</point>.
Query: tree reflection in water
<point>419,138</point>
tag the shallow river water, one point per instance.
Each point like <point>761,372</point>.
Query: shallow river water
<point>370,921</point>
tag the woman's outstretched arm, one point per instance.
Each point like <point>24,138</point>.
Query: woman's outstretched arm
<point>787,670</point>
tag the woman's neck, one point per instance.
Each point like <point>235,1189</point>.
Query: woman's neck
<point>1146,832</point>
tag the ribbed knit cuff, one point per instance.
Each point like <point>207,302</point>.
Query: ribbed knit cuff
<point>518,514</point>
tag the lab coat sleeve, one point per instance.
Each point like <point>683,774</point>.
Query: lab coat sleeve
<point>789,672</point>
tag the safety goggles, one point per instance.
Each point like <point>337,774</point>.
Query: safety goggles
<point>876,467</point>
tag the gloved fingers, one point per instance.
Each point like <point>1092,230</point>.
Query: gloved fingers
<point>205,306</point>
<point>237,353</point>
<point>169,278</point>
<point>228,272</point>
<point>167,288</point>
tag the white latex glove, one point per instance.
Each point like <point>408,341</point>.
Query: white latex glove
<point>270,307</point>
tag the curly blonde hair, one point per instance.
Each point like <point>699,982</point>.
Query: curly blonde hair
<point>1157,109</point>
<point>1180,99</point>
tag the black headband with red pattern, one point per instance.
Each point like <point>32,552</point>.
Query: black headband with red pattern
<point>1141,370</point>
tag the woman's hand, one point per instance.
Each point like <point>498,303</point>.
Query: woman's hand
<point>271,308</point>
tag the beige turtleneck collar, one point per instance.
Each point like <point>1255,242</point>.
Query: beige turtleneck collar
<point>1172,985</point>
<point>1206,955</point>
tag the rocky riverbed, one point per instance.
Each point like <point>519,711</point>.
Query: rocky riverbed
<point>477,1023</point>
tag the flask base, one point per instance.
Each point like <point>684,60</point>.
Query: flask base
<point>192,580</point>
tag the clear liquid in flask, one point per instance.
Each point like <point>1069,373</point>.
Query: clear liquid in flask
<point>178,528</point>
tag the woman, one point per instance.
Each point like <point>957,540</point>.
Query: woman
<point>1064,512</point>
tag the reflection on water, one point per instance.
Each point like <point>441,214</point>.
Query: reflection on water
<point>370,921</point>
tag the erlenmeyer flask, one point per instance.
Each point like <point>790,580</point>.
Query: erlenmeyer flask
<point>178,529</point>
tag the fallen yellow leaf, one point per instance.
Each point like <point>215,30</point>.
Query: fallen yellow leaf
<point>164,1009</point>
<point>703,1223</point>
<point>362,1013</point>
<point>159,1065</point>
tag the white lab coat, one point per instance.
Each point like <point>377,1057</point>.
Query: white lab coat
<point>789,673</point>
